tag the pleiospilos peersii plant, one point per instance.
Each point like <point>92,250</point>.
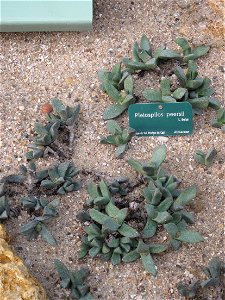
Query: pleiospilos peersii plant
<point>144,59</point>
<point>74,280</point>
<point>219,122</point>
<point>205,159</point>
<point>119,86</point>
<point>110,234</point>
<point>214,271</point>
<point>38,225</point>
<point>119,137</point>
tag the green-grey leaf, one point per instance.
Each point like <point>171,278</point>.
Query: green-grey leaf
<point>148,264</point>
<point>128,231</point>
<point>190,237</point>
<point>158,155</point>
<point>152,95</point>
<point>114,111</point>
<point>185,197</point>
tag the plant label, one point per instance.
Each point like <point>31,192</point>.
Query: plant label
<point>161,119</point>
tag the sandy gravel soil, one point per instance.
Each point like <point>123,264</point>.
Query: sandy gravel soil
<point>39,66</point>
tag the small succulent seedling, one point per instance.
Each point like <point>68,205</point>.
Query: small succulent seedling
<point>165,94</point>
<point>214,271</point>
<point>152,168</point>
<point>119,137</point>
<point>119,186</point>
<point>198,89</point>
<point>4,208</point>
<point>144,59</point>
<point>60,177</point>
<point>45,136</point>
<point>188,52</point>
<point>119,86</point>
<point>37,226</point>
<point>65,115</point>
<point>74,280</point>
<point>219,122</point>
<point>205,159</point>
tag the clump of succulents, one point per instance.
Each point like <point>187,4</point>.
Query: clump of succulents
<point>74,280</point>
<point>45,136</point>
<point>118,85</point>
<point>219,122</point>
<point>65,115</point>
<point>34,203</point>
<point>188,52</point>
<point>205,159</point>
<point>144,59</point>
<point>118,137</point>
<point>214,271</point>
<point>198,90</point>
<point>110,237</point>
<point>4,205</point>
<point>38,225</point>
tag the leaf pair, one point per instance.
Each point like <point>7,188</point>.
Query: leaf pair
<point>219,122</point>
<point>99,194</point>
<point>205,159</point>
<point>119,137</point>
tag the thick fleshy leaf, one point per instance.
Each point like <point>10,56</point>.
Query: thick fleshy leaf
<point>200,51</point>
<point>179,93</point>
<point>112,91</point>
<point>114,111</point>
<point>120,150</point>
<point>113,127</point>
<point>104,189</point>
<point>179,72</point>
<point>185,197</point>
<point>152,95</point>
<point>214,103</point>
<point>162,217</point>
<point>116,259</point>
<point>183,43</point>
<point>131,256</point>
<point>158,155</point>
<point>149,229</point>
<point>64,273</point>
<point>145,44</point>
<point>136,165</point>
<point>129,84</point>
<point>148,264</point>
<point>97,216</point>
<point>169,54</point>
<point>157,248</point>
<point>190,237</point>
<point>165,87</point>
<point>210,156</point>
<point>47,236</point>
<point>171,228</point>
<point>128,231</point>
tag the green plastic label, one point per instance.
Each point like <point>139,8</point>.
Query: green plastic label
<point>161,119</point>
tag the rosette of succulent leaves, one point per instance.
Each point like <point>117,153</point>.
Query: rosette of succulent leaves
<point>219,122</point>
<point>47,134</point>
<point>111,237</point>
<point>74,280</point>
<point>118,137</point>
<point>4,205</point>
<point>58,177</point>
<point>214,271</point>
<point>118,85</point>
<point>38,225</point>
<point>195,90</point>
<point>144,59</point>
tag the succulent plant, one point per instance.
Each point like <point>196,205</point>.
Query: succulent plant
<point>99,194</point>
<point>118,85</point>
<point>119,186</point>
<point>119,137</point>
<point>60,177</point>
<point>34,203</point>
<point>4,208</point>
<point>198,89</point>
<point>45,135</point>
<point>191,54</point>
<point>165,94</point>
<point>65,115</point>
<point>205,159</point>
<point>38,225</point>
<point>144,59</point>
<point>151,170</point>
<point>219,122</point>
<point>214,271</point>
<point>17,178</point>
<point>74,280</point>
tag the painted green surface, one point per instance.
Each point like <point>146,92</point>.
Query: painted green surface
<point>45,15</point>
<point>161,119</point>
